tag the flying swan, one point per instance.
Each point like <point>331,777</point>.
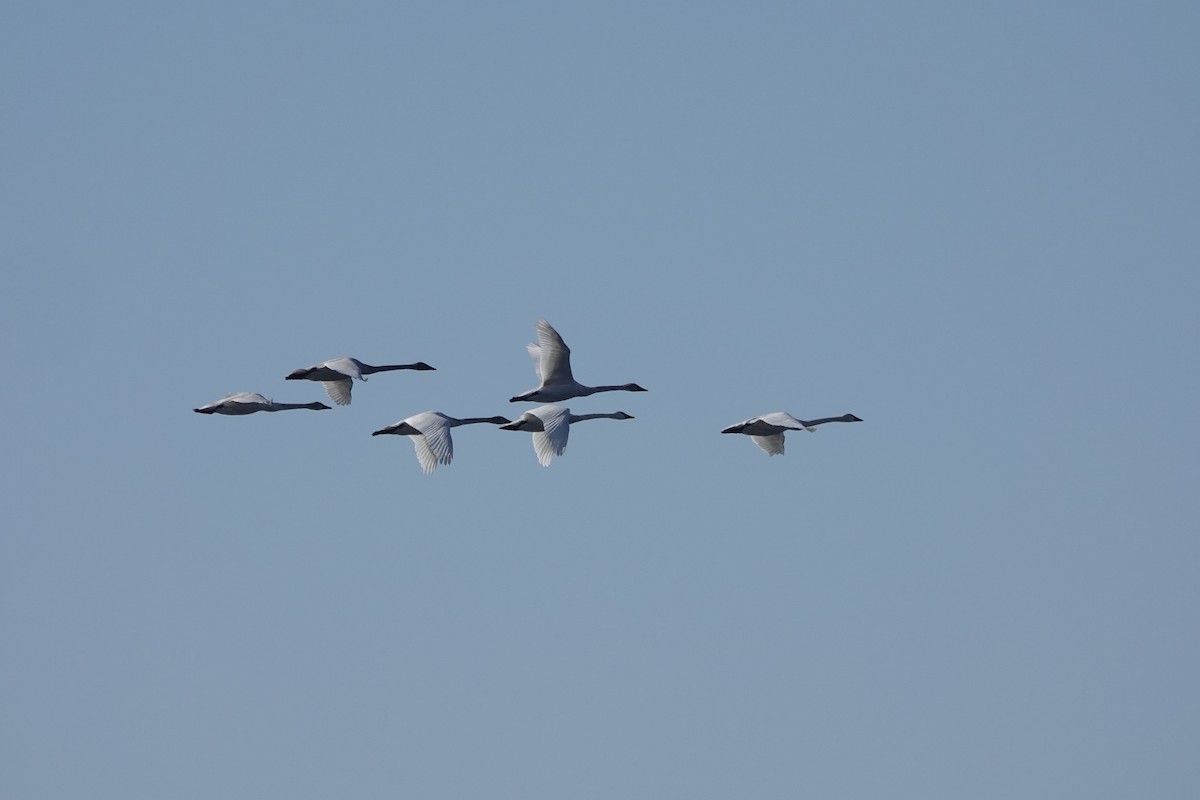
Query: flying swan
<point>338,374</point>
<point>241,403</point>
<point>551,425</point>
<point>430,432</point>
<point>767,429</point>
<point>552,363</point>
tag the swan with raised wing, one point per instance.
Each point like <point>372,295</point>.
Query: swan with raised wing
<point>551,425</point>
<point>430,432</point>
<point>767,429</point>
<point>552,362</point>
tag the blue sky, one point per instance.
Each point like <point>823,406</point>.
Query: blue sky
<point>972,225</point>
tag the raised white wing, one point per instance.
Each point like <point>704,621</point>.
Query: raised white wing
<point>773,444</point>
<point>339,391</point>
<point>553,356</point>
<point>535,353</point>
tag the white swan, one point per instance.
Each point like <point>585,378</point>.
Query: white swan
<point>552,363</point>
<point>430,432</point>
<point>551,425</point>
<point>767,429</point>
<point>239,403</point>
<point>338,374</point>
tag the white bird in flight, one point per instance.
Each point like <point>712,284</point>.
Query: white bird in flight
<point>767,429</point>
<point>551,425</point>
<point>338,374</point>
<point>430,432</point>
<point>241,403</point>
<point>552,362</point>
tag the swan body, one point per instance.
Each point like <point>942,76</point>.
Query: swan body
<point>337,375</point>
<point>766,430</point>
<point>552,363</point>
<point>550,426</point>
<point>430,432</point>
<point>241,403</point>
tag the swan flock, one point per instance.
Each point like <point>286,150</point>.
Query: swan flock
<point>550,424</point>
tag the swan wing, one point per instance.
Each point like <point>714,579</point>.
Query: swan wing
<point>224,401</point>
<point>425,456</point>
<point>436,446</point>
<point>781,419</point>
<point>240,397</point>
<point>345,365</point>
<point>772,445</point>
<point>554,357</point>
<point>339,391</point>
<point>535,352</point>
<point>551,441</point>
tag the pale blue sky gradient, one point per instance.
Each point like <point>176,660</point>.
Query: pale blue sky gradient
<point>973,225</point>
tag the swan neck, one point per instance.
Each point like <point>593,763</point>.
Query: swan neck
<point>368,369</point>
<point>811,422</point>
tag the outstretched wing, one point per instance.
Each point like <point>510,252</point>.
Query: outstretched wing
<point>535,352</point>
<point>553,356</point>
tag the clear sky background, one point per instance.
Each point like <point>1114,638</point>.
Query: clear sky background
<point>974,225</point>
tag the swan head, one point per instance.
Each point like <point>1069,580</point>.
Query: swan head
<point>319,407</point>
<point>633,387</point>
<point>851,418</point>
<point>622,415</point>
